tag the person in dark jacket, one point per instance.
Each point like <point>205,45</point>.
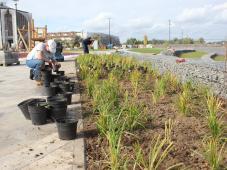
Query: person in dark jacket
<point>86,42</point>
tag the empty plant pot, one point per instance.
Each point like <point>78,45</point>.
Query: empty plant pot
<point>72,86</point>
<point>65,87</point>
<point>67,128</point>
<point>38,112</point>
<point>24,108</point>
<point>62,73</point>
<point>56,101</point>
<point>58,106</point>
<point>51,90</point>
<point>57,89</point>
<point>68,96</point>
<point>54,77</point>
<point>46,76</point>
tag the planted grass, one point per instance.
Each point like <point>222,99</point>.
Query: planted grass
<point>214,151</point>
<point>159,90</point>
<point>159,150</point>
<point>121,112</point>
<point>147,50</point>
<point>214,122</point>
<point>219,58</point>
<point>193,55</point>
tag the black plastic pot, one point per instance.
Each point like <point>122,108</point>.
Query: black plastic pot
<point>58,106</point>
<point>24,106</point>
<point>56,101</point>
<point>38,112</point>
<point>51,90</point>
<point>72,86</point>
<point>67,128</point>
<point>63,78</point>
<point>65,87</point>
<point>62,73</point>
<point>58,89</point>
<point>68,96</point>
<point>47,76</point>
<point>54,77</point>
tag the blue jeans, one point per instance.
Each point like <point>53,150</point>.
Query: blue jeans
<point>85,48</point>
<point>36,65</point>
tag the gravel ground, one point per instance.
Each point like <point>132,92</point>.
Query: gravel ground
<point>202,70</point>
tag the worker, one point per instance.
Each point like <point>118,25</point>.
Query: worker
<point>86,42</point>
<point>41,53</point>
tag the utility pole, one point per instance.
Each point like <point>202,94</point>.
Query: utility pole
<point>182,34</point>
<point>109,19</point>
<point>169,30</point>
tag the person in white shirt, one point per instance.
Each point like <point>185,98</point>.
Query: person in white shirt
<point>41,53</point>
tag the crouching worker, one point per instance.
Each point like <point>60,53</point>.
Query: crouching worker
<point>41,53</point>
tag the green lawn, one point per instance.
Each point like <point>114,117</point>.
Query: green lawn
<point>72,51</point>
<point>146,50</point>
<point>196,54</point>
<point>219,58</point>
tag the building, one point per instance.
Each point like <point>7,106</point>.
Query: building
<point>11,21</point>
<point>65,35</point>
<point>105,39</point>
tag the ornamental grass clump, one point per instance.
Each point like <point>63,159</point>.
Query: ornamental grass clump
<point>183,102</point>
<point>114,136</point>
<point>213,145</point>
<point>105,92</point>
<point>132,113</point>
<point>135,78</point>
<point>159,90</point>
<point>172,81</point>
<point>159,150</point>
<point>214,122</point>
<point>91,80</point>
<point>214,151</point>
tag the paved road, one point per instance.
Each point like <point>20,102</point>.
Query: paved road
<point>23,145</point>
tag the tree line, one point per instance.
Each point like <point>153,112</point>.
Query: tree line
<point>134,41</point>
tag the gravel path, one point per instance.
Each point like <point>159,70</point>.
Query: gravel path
<point>199,71</point>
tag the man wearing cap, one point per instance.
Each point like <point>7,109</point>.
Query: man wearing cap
<point>41,53</point>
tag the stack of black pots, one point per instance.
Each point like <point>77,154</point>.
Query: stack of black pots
<point>59,89</point>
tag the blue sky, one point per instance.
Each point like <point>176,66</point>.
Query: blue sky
<point>132,18</point>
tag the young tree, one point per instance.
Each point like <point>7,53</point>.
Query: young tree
<point>76,41</point>
<point>145,40</point>
<point>131,41</point>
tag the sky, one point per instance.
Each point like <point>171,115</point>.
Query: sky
<point>132,18</point>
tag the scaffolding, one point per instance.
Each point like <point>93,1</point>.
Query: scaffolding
<point>28,37</point>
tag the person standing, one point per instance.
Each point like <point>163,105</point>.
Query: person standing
<point>86,42</point>
<point>41,53</point>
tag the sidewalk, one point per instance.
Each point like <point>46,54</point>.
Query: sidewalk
<point>28,147</point>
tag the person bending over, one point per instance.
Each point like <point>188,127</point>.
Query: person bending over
<point>41,53</point>
<point>86,42</point>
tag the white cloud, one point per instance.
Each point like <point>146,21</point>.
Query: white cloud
<point>208,14</point>
<point>99,22</point>
<point>139,23</point>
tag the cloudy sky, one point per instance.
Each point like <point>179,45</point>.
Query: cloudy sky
<point>132,18</point>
